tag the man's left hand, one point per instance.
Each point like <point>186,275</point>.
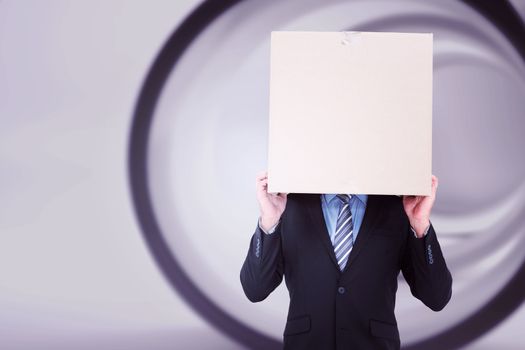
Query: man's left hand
<point>418,208</point>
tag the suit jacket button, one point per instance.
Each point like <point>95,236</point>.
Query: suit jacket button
<point>341,290</point>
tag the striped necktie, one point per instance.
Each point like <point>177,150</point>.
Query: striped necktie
<point>343,240</point>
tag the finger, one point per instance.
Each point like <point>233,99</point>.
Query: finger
<point>259,179</point>
<point>434,185</point>
<point>261,175</point>
<point>262,184</point>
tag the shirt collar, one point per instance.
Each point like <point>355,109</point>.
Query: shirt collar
<point>330,196</point>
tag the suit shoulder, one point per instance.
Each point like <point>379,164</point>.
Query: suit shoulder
<point>302,197</point>
<point>391,202</point>
<point>388,198</point>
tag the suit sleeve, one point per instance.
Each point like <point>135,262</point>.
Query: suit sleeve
<point>271,230</point>
<point>426,271</point>
<point>262,270</point>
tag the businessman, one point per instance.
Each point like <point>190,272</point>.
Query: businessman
<point>341,255</point>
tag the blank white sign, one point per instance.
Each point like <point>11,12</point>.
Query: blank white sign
<point>350,112</point>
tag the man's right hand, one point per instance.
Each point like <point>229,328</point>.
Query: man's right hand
<point>271,205</point>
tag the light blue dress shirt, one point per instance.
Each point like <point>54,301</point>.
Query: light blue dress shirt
<point>331,206</point>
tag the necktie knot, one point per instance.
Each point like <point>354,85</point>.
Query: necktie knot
<point>345,198</point>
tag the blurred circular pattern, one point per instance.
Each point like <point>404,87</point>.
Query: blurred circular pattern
<point>199,137</point>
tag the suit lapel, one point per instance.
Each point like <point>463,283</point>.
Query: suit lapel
<point>315,211</point>
<point>372,211</point>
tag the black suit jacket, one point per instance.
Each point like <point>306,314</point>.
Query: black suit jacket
<point>352,309</point>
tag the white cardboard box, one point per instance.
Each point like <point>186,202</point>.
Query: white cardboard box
<point>350,112</point>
